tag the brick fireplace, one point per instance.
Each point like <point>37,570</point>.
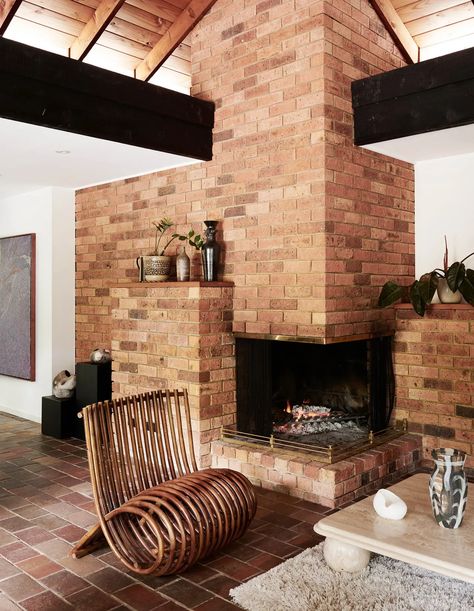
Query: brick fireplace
<point>311,226</point>
<point>180,335</point>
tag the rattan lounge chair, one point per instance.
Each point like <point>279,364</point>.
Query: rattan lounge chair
<point>157,511</point>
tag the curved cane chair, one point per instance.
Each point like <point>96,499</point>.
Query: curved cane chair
<point>157,511</point>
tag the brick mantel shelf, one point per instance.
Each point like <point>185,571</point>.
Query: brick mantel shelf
<point>437,307</point>
<point>173,284</point>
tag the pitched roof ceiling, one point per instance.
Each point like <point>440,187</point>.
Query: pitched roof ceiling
<point>424,29</point>
<point>141,38</point>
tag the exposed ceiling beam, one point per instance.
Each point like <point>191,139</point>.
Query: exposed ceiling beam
<point>431,95</point>
<point>397,29</point>
<point>101,18</point>
<point>8,8</point>
<point>49,90</point>
<point>178,31</point>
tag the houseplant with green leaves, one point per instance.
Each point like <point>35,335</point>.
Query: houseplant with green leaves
<point>452,283</point>
<point>156,266</point>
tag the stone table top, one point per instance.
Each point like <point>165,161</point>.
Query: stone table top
<point>417,539</point>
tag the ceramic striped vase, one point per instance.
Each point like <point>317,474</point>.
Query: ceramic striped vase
<point>448,487</point>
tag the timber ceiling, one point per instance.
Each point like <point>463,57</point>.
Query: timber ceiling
<point>141,38</point>
<point>147,38</point>
<point>428,28</point>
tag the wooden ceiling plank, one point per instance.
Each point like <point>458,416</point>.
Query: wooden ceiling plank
<point>46,38</point>
<point>8,8</point>
<point>49,19</point>
<point>152,15</point>
<point>153,7</point>
<point>456,44</point>
<point>101,18</point>
<point>67,8</point>
<point>441,19</point>
<point>398,3</point>
<point>397,29</point>
<point>449,32</point>
<point>422,8</point>
<point>191,15</point>
<point>133,32</point>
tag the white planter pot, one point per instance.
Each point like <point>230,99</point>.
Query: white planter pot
<point>445,294</point>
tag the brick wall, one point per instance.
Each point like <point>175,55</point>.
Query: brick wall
<point>434,366</point>
<point>312,226</point>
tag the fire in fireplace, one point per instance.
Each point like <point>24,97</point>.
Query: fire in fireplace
<point>313,394</point>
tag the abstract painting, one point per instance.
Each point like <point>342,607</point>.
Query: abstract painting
<point>17,306</point>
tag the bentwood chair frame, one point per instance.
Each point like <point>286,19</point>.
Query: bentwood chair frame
<point>157,511</point>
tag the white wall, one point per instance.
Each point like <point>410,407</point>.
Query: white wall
<point>444,205</point>
<point>50,214</point>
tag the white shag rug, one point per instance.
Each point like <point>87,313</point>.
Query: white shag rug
<point>306,583</point>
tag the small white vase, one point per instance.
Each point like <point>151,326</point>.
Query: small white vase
<point>445,294</point>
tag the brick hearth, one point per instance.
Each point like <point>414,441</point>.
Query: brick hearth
<point>329,485</point>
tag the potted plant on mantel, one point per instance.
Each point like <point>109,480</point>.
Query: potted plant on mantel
<point>452,283</point>
<point>157,266</point>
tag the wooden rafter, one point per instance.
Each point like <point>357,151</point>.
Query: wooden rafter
<point>101,18</point>
<point>8,8</point>
<point>397,29</point>
<point>178,31</point>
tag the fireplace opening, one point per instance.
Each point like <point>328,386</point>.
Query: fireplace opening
<point>325,396</point>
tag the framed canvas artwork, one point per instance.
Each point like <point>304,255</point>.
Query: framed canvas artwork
<point>17,306</point>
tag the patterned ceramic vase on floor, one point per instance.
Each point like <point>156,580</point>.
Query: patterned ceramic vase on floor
<point>448,487</point>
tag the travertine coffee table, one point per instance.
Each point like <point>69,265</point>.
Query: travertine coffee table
<point>352,533</point>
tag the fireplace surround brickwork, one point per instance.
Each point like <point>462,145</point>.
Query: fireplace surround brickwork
<point>311,225</point>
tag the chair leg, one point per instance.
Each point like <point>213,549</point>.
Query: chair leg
<point>92,540</point>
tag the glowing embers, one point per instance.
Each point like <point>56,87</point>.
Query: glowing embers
<point>307,419</point>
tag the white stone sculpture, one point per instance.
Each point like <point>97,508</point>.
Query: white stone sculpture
<point>388,505</point>
<point>64,384</point>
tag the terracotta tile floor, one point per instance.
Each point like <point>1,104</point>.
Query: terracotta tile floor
<point>46,505</point>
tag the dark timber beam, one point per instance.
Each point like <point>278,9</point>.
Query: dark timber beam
<point>425,97</point>
<point>49,90</point>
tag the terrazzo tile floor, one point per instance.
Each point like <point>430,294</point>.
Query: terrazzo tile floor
<point>46,506</point>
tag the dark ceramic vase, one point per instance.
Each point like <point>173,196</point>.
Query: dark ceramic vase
<point>210,252</point>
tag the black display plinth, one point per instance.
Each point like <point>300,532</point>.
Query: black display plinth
<point>93,383</point>
<point>58,417</point>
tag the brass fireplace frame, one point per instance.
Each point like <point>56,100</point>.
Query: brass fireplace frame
<point>325,454</point>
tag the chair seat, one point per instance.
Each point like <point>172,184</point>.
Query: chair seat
<point>167,528</point>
